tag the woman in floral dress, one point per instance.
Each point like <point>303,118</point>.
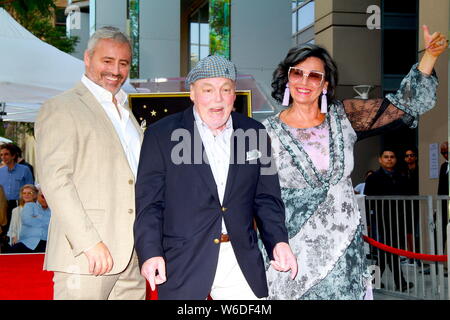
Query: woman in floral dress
<point>313,151</point>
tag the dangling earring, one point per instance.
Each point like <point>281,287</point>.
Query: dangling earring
<point>286,96</point>
<point>324,103</point>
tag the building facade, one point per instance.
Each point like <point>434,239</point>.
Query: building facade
<point>374,43</point>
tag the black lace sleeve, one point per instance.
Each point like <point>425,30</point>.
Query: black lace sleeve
<point>371,117</point>
<point>416,95</point>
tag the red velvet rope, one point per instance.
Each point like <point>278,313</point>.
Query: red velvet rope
<point>404,253</point>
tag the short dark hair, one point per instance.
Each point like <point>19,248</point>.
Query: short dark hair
<point>390,149</point>
<point>411,148</point>
<point>12,149</point>
<point>300,54</point>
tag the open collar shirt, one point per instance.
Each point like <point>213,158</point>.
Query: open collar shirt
<point>127,132</point>
<point>13,179</point>
<point>217,149</point>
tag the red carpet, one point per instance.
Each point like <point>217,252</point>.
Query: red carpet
<point>22,278</point>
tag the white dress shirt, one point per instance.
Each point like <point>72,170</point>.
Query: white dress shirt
<point>127,132</point>
<point>217,149</point>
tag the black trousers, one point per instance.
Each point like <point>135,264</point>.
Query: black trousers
<point>3,239</point>
<point>21,248</point>
<point>11,205</point>
<point>391,231</point>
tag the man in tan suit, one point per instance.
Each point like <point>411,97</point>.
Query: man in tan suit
<point>88,146</point>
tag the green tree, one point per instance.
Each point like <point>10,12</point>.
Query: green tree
<point>36,16</point>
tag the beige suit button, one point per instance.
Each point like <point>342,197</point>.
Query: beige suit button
<point>130,211</point>
<point>216,241</point>
<point>224,209</point>
<point>130,181</point>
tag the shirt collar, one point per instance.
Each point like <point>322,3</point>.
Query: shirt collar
<point>387,171</point>
<point>101,94</point>
<point>198,119</point>
<point>13,168</point>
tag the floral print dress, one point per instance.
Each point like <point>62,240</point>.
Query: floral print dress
<point>322,217</point>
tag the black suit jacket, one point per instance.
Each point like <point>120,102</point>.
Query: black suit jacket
<point>179,213</point>
<point>388,211</point>
<point>382,184</point>
<point>443,180</point>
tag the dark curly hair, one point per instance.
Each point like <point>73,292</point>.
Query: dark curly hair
<point>300,54</point>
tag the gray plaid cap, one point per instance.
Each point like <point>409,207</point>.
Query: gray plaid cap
<point>211,67</point>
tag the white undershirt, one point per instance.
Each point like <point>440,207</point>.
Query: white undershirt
<point>217,149</point>
<point>127,132</point>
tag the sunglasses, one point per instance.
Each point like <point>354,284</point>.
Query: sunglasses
<point>314,78</point>
<point>444,152</point>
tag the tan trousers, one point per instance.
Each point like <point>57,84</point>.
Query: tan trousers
<point>128,285</point>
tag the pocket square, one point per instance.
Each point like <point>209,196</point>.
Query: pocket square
<point>253,155</point>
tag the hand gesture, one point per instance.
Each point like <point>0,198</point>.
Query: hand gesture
<point>100,259</point>
<point>284,259</point>
<point>154,270</point>
<point>436,43</point>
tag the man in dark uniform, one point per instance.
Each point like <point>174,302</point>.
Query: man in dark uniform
<point>386,181</point>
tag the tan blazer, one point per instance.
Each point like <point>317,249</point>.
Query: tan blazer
<point>87,181</point>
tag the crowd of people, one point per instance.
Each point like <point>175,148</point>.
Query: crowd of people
<point>24,213</point>
<point>232,219</point>
<point>397,223</point>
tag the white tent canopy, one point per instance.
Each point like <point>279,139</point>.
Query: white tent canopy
<point>31,71</point>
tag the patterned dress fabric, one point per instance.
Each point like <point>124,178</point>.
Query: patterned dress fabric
<point>314,167</point>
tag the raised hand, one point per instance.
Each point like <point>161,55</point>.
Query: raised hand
<point>436,43</point>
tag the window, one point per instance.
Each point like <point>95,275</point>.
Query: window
<point>302,15</point>
<point>60,17</point>
<point>199,35</point>
<point>302,21</point>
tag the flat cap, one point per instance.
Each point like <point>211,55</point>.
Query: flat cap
<point>211,67</point>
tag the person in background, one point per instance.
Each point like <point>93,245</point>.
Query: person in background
<point>443,189</point>
<point>359,189</point>
<point>28,193</point>
<point>22,161</point>
<point>387,181</point>
<point>3,219</point>
<point>443,172</point>
<point>411,172</point>
<point>35,218</point>
<point>12,177</point>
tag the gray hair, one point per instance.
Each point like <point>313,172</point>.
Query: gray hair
<point>107,33</point>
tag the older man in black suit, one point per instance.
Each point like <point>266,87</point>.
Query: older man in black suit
<point>204,180</point>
